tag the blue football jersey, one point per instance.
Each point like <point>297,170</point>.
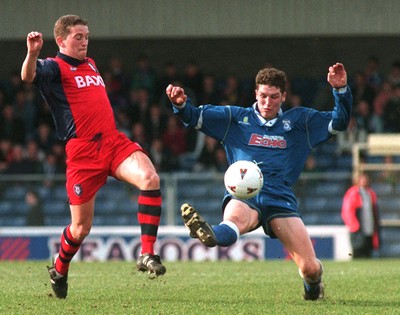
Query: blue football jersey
<point>279,146</point>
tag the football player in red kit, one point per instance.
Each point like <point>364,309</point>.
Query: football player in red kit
<point>73,88</point>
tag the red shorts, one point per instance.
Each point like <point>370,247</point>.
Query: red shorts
<point>91,161</point>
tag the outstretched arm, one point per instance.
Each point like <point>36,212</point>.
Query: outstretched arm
<point>337,78</point>
<point>34,43</point>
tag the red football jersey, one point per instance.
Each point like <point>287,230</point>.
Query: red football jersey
<point>77,96</point>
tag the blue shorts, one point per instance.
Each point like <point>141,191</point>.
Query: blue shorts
<point>269,207</point>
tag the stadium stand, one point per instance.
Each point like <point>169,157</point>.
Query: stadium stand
<point>319,194</point>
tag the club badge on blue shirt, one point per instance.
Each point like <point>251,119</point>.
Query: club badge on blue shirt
<point>286,125</point>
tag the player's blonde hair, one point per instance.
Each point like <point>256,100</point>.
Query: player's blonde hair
<point>272,77</point>
<point>64,24</point>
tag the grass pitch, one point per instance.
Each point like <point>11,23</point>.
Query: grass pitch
<point>260,287</point>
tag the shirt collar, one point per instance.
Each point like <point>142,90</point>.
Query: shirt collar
<point>263,121</point>
<point>72,61</point>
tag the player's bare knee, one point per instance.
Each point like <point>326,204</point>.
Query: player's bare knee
<point>150,180</point>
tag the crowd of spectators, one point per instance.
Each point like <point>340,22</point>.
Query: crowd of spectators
<point>28,143</point>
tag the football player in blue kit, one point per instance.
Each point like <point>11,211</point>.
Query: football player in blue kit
<point>279,142</point>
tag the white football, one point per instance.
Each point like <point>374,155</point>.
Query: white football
<point>243,179</point>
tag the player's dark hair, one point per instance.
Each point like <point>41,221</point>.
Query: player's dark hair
<point>272,77</point>
<point>64,23</point>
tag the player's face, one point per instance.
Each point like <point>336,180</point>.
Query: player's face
<point>76,43</point>
<point>269,100</point>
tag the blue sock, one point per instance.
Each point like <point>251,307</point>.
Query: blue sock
<point>312,285</point>
<point>226,233</point>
